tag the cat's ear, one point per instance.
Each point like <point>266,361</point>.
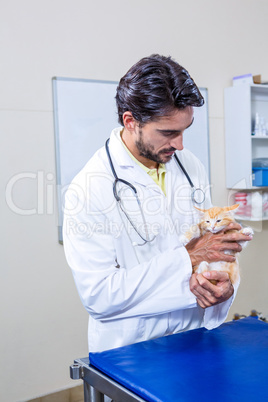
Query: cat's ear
<point>201,210</point>
<point>232,208</point>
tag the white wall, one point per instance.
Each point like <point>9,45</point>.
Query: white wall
<point>43,322</point>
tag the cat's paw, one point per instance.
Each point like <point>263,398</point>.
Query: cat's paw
<point>202,267</point>
<point>194,232</point>
<point>247,231</point>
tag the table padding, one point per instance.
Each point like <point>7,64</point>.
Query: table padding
<point>229,363</point>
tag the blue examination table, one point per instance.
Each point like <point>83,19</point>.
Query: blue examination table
<point>229,363</point>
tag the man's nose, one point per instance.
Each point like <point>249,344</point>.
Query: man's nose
<point>177,143</point>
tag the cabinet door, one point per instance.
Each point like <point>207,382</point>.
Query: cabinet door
<point>238,153</point>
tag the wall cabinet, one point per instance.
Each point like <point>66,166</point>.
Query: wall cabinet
<point>241,103</point>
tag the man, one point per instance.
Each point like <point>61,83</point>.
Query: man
<point>125,212</point>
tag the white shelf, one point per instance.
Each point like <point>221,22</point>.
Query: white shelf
<point>246,218</point>
<point>253,188</point>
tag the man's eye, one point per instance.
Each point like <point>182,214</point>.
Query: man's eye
<point>170,133</point>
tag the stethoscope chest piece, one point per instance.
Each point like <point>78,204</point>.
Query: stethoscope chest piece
<point>198,196</point>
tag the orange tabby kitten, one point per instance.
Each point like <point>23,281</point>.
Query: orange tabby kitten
<point>214,220</point>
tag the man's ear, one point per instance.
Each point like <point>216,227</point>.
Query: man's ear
<point>129,121</point>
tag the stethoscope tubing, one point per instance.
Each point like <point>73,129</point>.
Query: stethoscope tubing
<point>184,171</point>
<point>194,189</point>
<point>117,180</point>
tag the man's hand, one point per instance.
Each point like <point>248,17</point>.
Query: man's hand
<point>211,246</point>
<point>206,293</point>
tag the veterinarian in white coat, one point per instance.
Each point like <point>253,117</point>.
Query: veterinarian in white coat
<point>134,293</point>
<point>135,290</point>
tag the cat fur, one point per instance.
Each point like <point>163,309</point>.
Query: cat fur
<point>214,220</point>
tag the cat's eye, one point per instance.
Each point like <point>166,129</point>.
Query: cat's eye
<point>219,220</point>
<point>207,222</point>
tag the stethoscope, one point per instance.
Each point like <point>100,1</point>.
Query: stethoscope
<point>198,195</point>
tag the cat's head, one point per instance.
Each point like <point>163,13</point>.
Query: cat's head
<point>216,218</point>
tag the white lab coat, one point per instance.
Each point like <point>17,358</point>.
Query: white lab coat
<point>134,293</point>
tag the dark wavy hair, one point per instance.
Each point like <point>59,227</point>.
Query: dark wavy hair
<point>155,87</point>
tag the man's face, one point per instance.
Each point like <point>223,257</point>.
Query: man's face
<point>157,141</point>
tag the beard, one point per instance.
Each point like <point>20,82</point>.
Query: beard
<point>147,151</point>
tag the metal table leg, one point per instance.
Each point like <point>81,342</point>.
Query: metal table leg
<point>91,394</point>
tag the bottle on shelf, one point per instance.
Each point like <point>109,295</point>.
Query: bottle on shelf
<point>256,130</point>
<point>260,126</point>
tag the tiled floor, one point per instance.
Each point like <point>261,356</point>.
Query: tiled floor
<point>75,394</point>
